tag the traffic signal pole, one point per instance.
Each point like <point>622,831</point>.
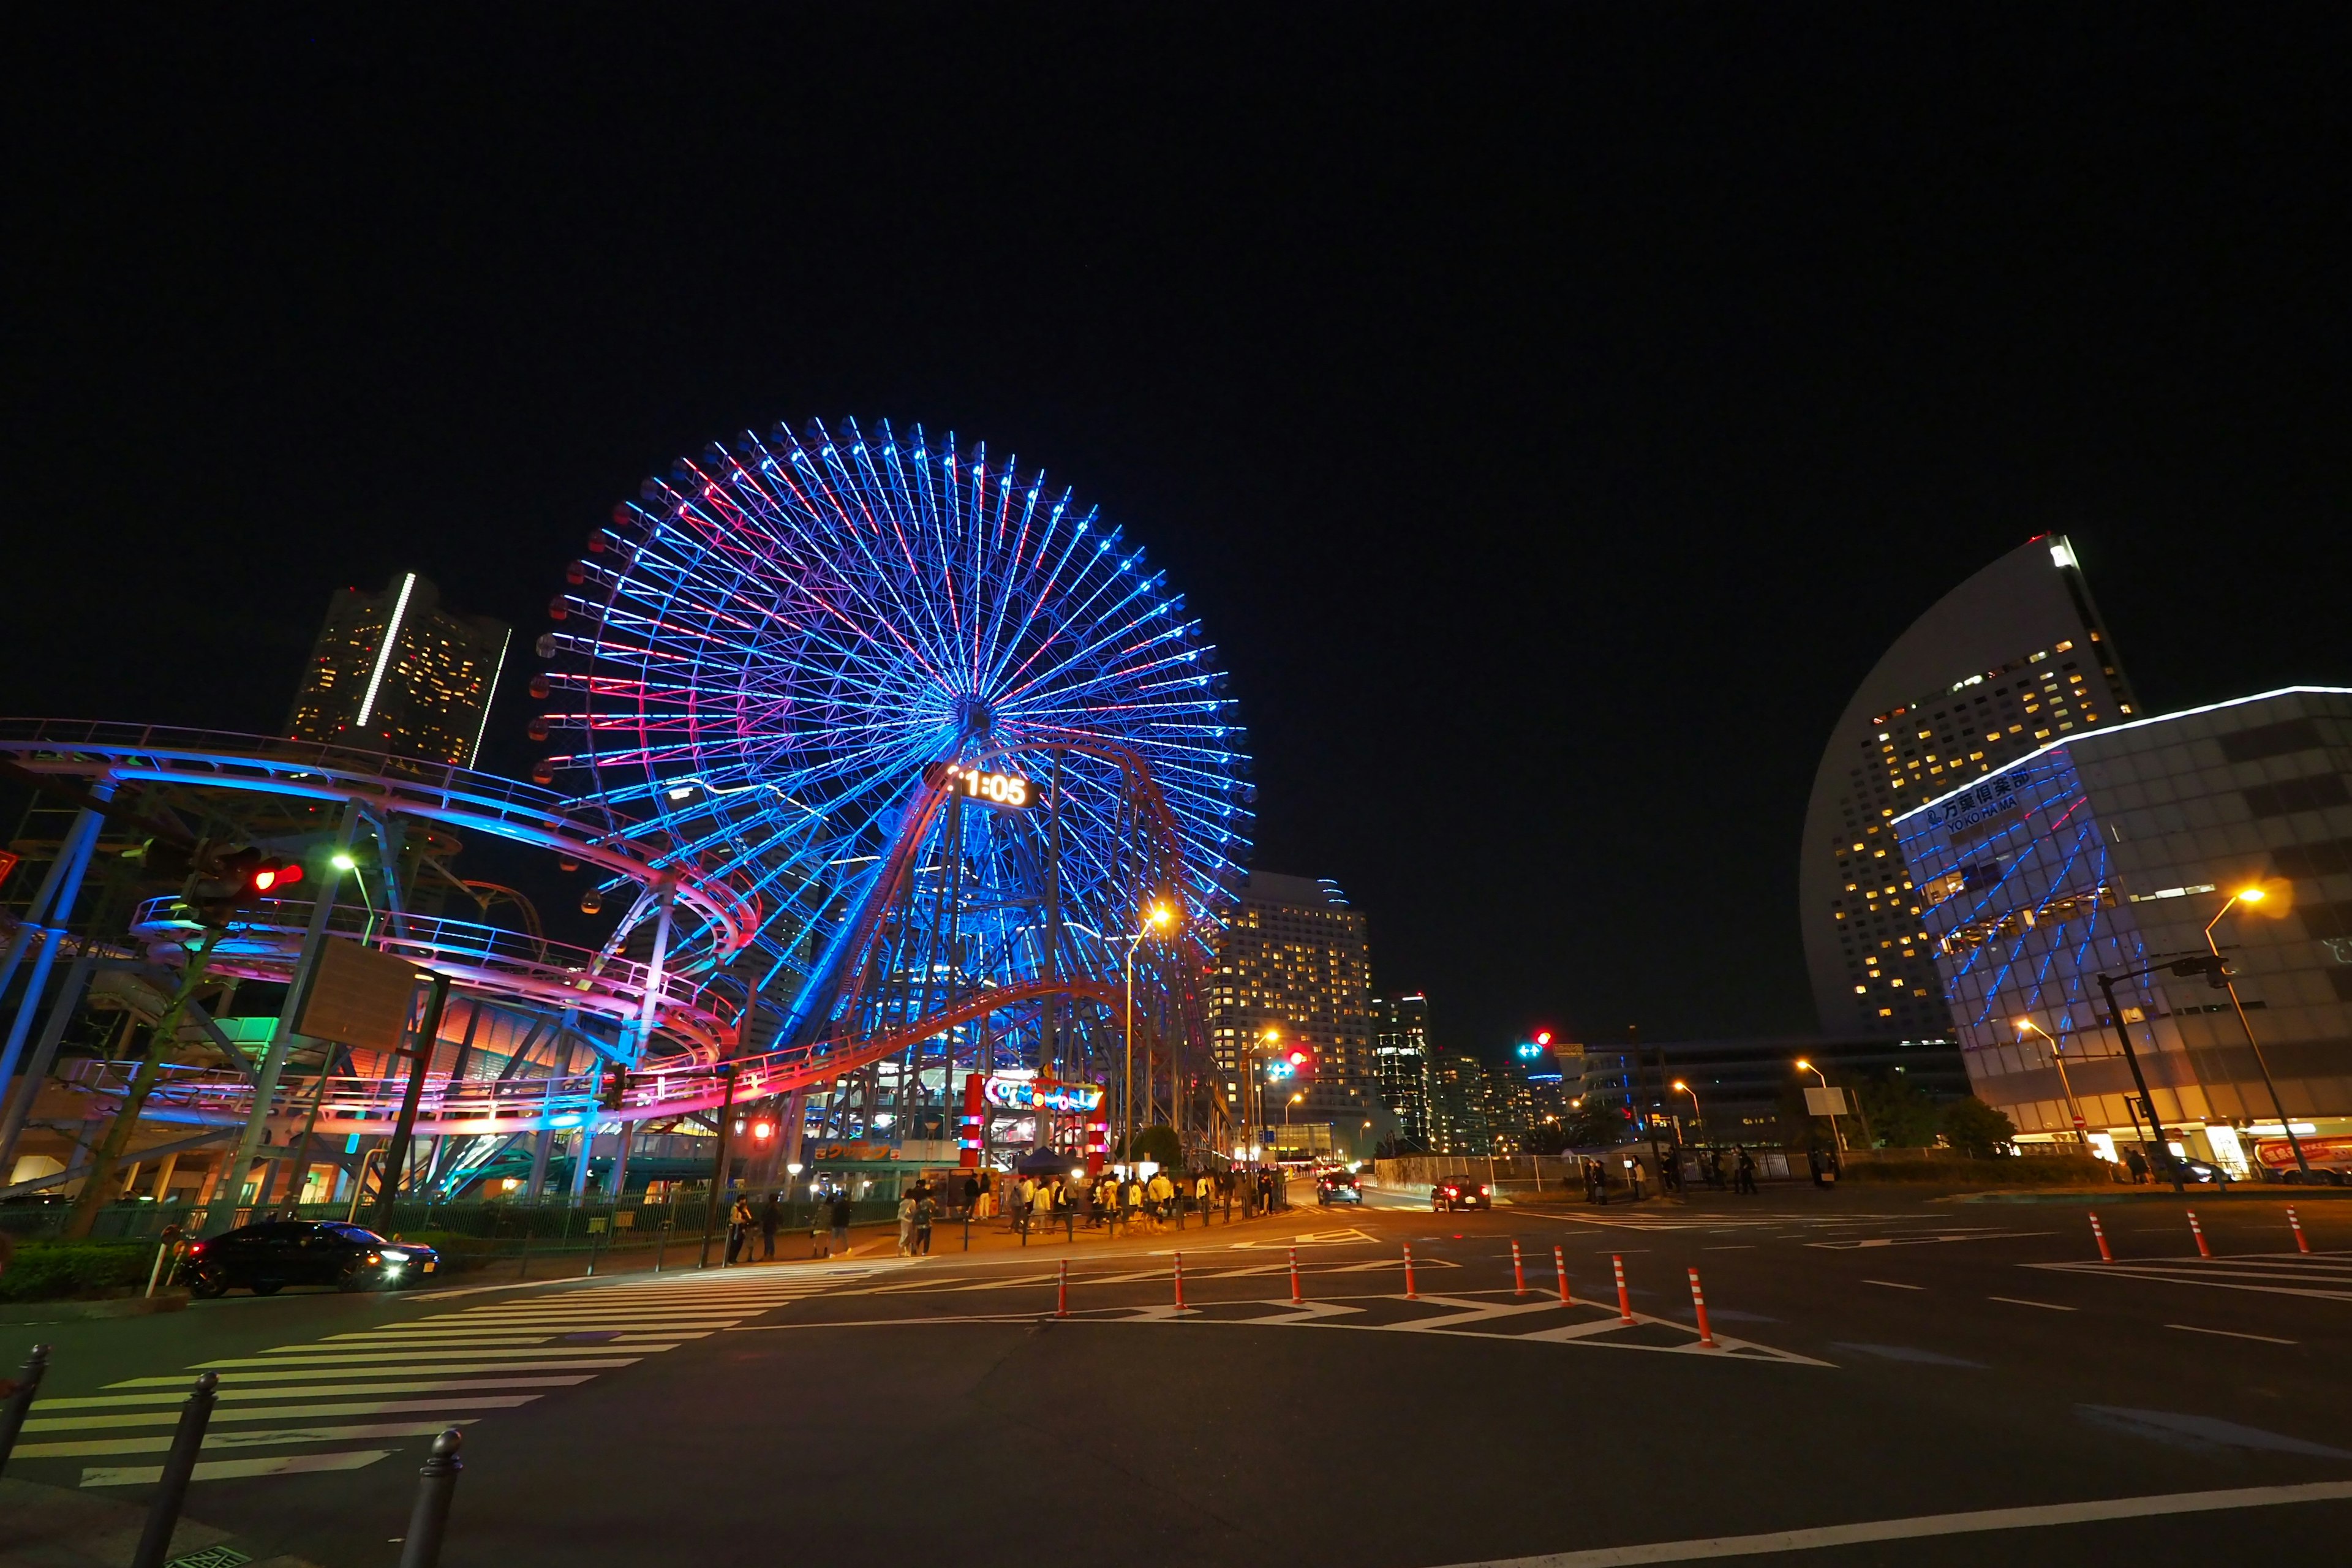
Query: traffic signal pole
<point>404,1131</point>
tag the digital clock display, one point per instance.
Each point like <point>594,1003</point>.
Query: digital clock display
<point>1006,792</point>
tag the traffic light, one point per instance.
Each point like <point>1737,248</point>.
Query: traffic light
<point>2215,969</point>
<point>1297,1061</point>
<point>223,881</point>
<point>615,1087</point>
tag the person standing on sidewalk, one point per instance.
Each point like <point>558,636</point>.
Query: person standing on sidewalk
<point>905,1224</point>
<point>768,1217</point>
<point>840,1218</point>
<point>925,1207</point>
<point>738,1228</point>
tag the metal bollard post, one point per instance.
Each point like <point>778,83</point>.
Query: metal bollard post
<point>2099,1234</point>
<point>12,1415</point>
<point>2199,1232</point>
<point>1625,1296</point>
<point>172,1489</point>
<point>661,1241</point>
<point>1560,1266</point>
<point>2301,1244</point>
<point>1518,1272</point>
<point>436,1486</point>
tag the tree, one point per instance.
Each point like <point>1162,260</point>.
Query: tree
<point>1593,1122</point>
<point>1977,1129</point>
<point>1902,1115</point>
<point>1160,1142</point>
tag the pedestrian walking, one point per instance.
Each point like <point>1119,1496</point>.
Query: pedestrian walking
<point>840,1217</point>
<point>971,1194</point>
<point>738,1228</point>
<point>768,1218</point>
<point>925,1207</point>
<point>1634,1177</point>
<point>905,1224</point>
<point>1158,1195</point>
<point>1746,1172</point>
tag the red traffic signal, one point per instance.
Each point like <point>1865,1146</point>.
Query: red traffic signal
<point>223,882</point>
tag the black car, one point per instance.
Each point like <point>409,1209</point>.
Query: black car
<point>1461,1192</point>
<point>1337,1187</point>
<point>267,1256</point>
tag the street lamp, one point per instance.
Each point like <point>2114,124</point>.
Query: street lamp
<point>342,861</point>
<point>2255,894</point>
<point>1159,918</point>
<point>2074,1106</point>
<point>1697,1114</point>
<point>1835,1131</point>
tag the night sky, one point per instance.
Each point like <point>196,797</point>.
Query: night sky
<point>1551,411</point>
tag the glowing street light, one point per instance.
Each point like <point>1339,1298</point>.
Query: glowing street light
<point>1835,1131</point>
<point>1153,922</point>
<point>1697,1114</point>
<point>2255,893</point>
<point>2074,1106</point>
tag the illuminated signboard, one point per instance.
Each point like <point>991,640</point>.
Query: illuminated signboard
<point>1021,1094</point>
<point>1005,792</point>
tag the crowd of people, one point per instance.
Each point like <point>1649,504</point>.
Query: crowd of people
<point>1026,1203</point>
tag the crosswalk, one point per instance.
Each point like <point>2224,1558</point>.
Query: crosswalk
<point>299,1409</point>
<point>2324,1275</point>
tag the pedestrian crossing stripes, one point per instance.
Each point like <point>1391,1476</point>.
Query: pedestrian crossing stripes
<point>448,1368</point>
<point>2326,1275</point>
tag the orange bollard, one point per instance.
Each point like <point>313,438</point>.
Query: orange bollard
<point>1062,1289</point>
<point>2199,1232</point>
<point>1560,1266</point>
<point>2302,1242</point>
<point>1625,1296</point>
<point>1408,1292</point>
<point>1180,1281</point>
<point>1295,1297</point>
<point>1698,1299</point>
<point>1518,1272</point>
<point>2100,1237</point>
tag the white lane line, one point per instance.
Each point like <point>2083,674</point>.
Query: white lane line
<point>1924,1525</point>
<point>281,1373</point>
<point>1894,1285</point>
<point>162,1442</point>
<point>122,1418</point>
<point>504,1345</point>
<point>407,1359</point>
<point>2021,1301</point>
<point>2229,1334</point>
<point>234,1469</point>
<point>307,1390</point>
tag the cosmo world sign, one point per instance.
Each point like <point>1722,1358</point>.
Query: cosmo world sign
<point>1041,1094</point>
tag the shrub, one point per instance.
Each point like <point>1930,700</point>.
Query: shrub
<point>49,1270</point>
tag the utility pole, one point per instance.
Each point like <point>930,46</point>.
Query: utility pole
<point>404,1131</point>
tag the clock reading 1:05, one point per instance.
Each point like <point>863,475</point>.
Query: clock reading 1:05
<point>1006,792</point>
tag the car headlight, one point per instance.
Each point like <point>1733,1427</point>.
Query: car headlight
<point>395,1256</point>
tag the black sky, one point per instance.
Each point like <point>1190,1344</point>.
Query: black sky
<point>1552,412</point>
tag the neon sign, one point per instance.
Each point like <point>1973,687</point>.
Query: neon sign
<point>1007,792</point>
<point>1023,1094</point>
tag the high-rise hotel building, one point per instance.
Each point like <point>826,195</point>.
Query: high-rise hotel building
<point>1401,1064</point>
<point>395,672</point>
<point>2009,661</point>
<point>1292,959</point>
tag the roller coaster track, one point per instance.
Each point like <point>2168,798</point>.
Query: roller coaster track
<point>371,1106</point>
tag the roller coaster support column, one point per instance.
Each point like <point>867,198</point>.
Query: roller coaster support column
<point>718,1163</point>
<point>53,904</point>
<point>15,1109</point>
<point>95,1190</point>
<point>404,1131</point>
<point>273,1062</point>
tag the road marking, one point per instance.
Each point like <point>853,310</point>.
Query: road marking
<point>1894,1285</point>
<point>235,1469</point>
<point>88,1423</point>
<point>162,1442</point>
<point>1872,1241</point>
<point>2041,1517</point>
<point>1739,1246</point>
<point>2322,1278</point>
<point>354,1355</point>
<point>2021,1301</point>
<point>281,1373</point>
<point>178,1392</point>
<point>2229,1334</point>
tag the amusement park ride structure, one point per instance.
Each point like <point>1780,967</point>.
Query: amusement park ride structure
<point>888,752</point>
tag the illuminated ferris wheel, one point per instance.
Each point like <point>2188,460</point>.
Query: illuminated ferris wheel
<point>775,664</point>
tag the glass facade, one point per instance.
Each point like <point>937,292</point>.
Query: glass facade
<point>394,673</point>
<point>2110,853</point>
<point>1400,1035</point>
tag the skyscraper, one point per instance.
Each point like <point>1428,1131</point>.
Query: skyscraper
<point>1292,959</point>
<point>394,673</point>
<point>1399,1035</point>
<point>2003,664</point>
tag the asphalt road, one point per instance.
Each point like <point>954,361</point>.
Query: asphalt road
<point>1880,1358</point>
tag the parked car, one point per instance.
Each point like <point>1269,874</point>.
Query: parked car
<point>267,1256</point>
<point>1461,1192</point>
<point>1337,1187</point>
